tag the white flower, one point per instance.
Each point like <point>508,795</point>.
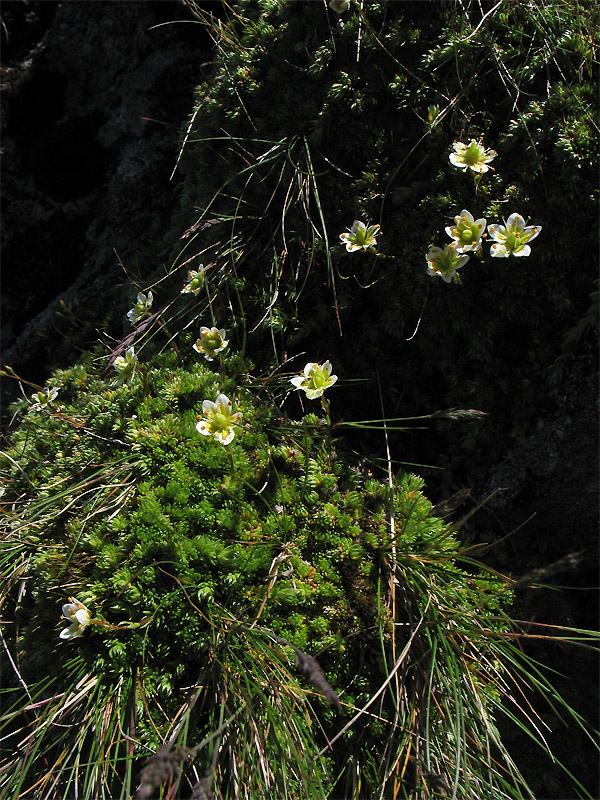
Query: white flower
<point>315,379</point>
<point>43,398</point>
<point>339,6</point>
<point>444,262</point>
<point>512,238</point>
<point>360,236</point>
<point>467,232</point>
<point>78,615</point>
<point>141,308</point>
<point>125,366</point>
<point>195,280</point>
<point>473,156</point>
<point>211,342</point>
<point>219,419</point>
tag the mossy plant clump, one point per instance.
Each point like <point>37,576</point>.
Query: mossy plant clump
<point>241,600</point>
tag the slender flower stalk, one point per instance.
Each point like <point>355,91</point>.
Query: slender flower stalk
<point>473,156</point>
<point>219,419</point>
<point>444,262</point>
<point>360,236</point>
<point>466,232</point>
<point>511,239</point>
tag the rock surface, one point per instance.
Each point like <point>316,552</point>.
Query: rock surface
<point>93,99</point>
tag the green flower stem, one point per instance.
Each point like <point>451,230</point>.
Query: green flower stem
<point>325,404</point>
<point>144,372</point>
<point>241,305</point>
<point>226,446</point>
<point>124,626</point>
<point>326,409</point>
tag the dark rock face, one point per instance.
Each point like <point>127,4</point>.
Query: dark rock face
<point>94,96</point>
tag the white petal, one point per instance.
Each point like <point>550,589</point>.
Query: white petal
<point>515,223</point>
<point>224,436</point>
<point>457,160</point>
<point>68,611</point>
<point>498,251</point>
<point>497,232</point>
<point>535,230</point>
<point>83,617</point>
<point>312,394</point>
<point>71,632</point>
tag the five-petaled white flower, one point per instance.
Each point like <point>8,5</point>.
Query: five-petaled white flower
<point>512,238</point>
<point>211,342</point>
<point>444,262</point>
<point>78,615</point>
<point>315,379</point>
<point>43,398</point>
<point>125,366</point>
<point>360,236</point>
<point>473,156</point>
<point>466,232</point>
<point>219,419</point>
<point>195,280</point>
<point>339,6</point>
<point>141,308</point>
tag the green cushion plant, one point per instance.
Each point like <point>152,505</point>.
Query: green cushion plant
<point>236,606</point>
<point>248,608</point>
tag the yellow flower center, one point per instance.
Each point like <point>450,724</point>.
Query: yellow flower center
<point>472,154</point>
<point>319,377</point>
<point>220,421</point>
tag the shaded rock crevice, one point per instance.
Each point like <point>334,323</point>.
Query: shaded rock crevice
<point>92,108</point>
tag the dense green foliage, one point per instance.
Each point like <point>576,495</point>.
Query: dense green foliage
<point>275,617</point>
<point>209,570</point>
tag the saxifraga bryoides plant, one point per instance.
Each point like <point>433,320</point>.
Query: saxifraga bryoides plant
<point>250,619</point>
